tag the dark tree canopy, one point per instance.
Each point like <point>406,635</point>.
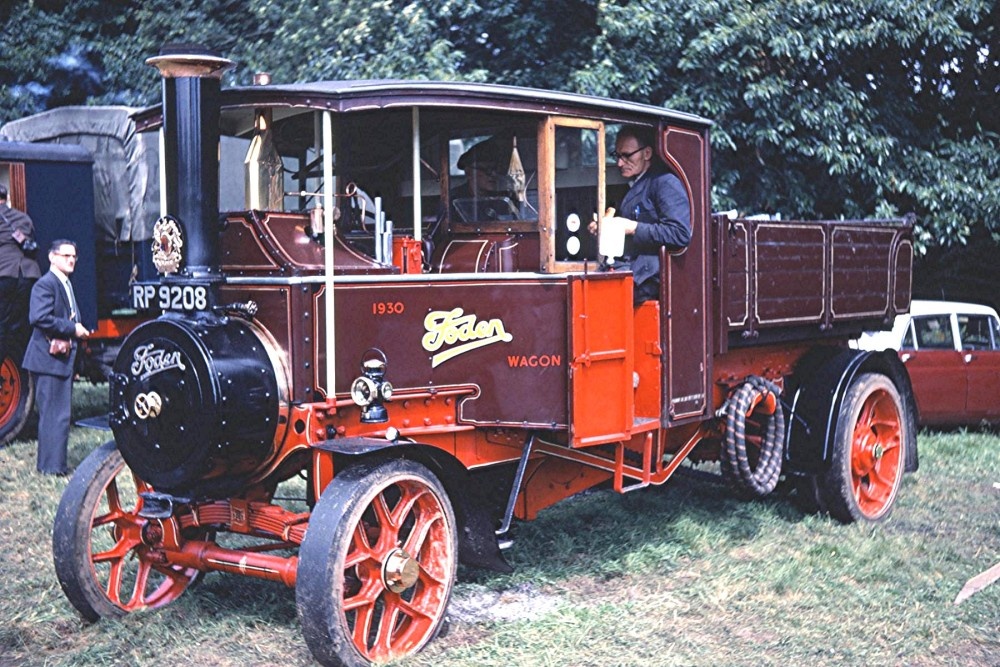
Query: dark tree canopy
<point>823,108</point>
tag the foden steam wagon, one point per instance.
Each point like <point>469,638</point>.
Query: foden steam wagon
<point>427,359</point>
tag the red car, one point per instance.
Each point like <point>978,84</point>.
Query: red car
<point>952,351</point>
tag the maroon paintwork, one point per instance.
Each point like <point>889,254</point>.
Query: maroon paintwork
<point>807,280</point>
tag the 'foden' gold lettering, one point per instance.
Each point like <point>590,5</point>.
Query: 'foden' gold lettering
<point>448,327</point>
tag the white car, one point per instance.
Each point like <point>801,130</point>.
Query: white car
<point>952,352</point>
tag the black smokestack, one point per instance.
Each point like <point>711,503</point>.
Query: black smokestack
<point>192,80</point>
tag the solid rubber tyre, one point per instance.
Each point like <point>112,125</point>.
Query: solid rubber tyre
<point>869,452</point>
<point>17,395</point>
<point>365,516</point>
<point>100,559</point>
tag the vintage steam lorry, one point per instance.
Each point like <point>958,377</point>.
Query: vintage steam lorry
<point>425,381</point>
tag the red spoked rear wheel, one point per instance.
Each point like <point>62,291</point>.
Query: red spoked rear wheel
<point>869,453</point>
<point>104,552</point>
<point>377,565</point>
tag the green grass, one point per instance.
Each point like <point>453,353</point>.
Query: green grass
<point>683,574</point>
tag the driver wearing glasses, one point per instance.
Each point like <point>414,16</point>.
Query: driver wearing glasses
<point>654,213</point>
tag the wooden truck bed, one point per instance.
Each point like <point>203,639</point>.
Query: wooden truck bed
<point>793,280</point>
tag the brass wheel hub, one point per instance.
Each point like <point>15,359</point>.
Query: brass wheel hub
<point>399,571</point>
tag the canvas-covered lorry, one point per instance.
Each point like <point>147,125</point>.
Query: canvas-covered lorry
<point>54,185</point>
<point>84,174</point>
<point>436,362</point>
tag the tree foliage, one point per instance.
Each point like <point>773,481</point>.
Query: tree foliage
<point>357,40</point>
<point>826,108</point>
<point>823,108</point>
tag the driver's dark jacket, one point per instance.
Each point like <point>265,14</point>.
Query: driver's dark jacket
<point>658,201</point>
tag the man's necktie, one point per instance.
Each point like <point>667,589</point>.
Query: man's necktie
<point>74,311</point>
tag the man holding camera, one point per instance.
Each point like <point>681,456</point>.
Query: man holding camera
<point>18,272</point>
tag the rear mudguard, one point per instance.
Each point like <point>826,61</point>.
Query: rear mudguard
<point>816,393</point>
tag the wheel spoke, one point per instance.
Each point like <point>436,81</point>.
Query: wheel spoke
<point>114,498</point>
<point>861,453</point>
<point>431,578</point>
<point>371,588</point>
<point>887,440</point>
<point>878,483</point>
<point>872,496</point>
<point>172,572</point>
<point>888,468</point>
<point>886,424</point>
<point>426,557</point>
<point>382,646</point>
<point>427,603</point>
<point>141,486</point>
<point>360,549</point>
<point>113,589</point>
<point>381,508</point>
<point>410,496</point>
<point>363,618</point>
<point>138,597</point>
<point>104,519</point>
<point>119,551</point>
<point>866,416</point>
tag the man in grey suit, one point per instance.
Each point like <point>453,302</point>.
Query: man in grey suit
<point>656,211</point>
<point>54,316</point>
<point>18,272</point>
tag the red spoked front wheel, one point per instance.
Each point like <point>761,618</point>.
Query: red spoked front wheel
<point>869,453</point>
<point>105,556</point>
<point>377,565</point>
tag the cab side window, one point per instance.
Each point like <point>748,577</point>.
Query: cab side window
<point>933,332</point>
<point>975,332</point>
<point>576,179</point>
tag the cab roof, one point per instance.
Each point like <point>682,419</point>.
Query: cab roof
<point>355,95</point>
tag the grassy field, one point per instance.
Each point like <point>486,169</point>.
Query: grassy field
<point>683,574</point>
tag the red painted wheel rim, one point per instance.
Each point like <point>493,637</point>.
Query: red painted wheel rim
<point>121,562</point>
<point>10,389</point>
<point>383,624</point>
<point>876,453</point>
